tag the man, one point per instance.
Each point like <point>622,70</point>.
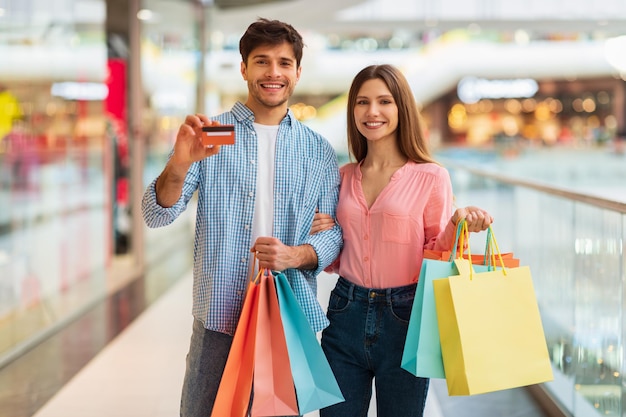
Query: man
<point>258,195</point>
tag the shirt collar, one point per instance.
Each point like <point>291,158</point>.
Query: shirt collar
<point>242,112</point>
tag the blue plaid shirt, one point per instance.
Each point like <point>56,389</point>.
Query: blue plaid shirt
<point>306,178</point>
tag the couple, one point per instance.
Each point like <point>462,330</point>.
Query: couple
<point>262,194</point>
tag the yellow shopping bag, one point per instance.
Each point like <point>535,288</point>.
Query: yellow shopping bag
<point>490,330</point>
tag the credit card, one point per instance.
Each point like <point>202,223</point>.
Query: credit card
<point>218,135</point>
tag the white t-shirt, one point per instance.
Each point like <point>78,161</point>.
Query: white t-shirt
<point>263,222</point>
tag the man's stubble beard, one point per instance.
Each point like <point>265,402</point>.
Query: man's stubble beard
<point>258,96</point>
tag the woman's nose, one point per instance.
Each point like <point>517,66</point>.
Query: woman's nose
<point>372,109</point>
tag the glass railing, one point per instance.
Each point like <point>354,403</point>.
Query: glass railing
<point>574,245</point>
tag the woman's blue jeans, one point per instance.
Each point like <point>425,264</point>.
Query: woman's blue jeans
<point>365,341</point>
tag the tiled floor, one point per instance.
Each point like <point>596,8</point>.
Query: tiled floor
<point>139,374</point>
<point>133,366</point>
<point>30,380</point>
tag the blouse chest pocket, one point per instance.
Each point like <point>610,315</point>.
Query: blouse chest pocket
<point>397,228</point>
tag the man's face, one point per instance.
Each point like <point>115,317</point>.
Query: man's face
<point>272,74</point>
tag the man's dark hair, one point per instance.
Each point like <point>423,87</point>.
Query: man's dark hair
<point>270,32</point>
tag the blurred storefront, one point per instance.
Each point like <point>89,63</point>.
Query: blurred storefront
<point>78,143</point>
<point>55,227</point>
<point>511,114</point>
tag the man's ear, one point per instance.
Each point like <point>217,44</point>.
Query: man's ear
<point>244,71</point>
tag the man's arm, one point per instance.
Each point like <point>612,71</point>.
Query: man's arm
<point>187,150</point>
<point>169,185</point>
<point>328,243</point>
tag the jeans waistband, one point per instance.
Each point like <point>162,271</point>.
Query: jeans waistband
<point>354,292</point>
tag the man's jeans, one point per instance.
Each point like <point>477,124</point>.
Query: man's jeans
<point>206,360</point>
<point>365,340</point>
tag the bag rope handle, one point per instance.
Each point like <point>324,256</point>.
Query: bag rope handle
<point>495,250</point>
<point>491,250</point>
<point>459,242</point>
<point>256,278</point>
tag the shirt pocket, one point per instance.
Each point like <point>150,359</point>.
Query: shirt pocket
<point>397,228</point>
<point>313,176</point>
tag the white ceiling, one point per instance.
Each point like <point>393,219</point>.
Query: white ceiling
<point>378,15</point>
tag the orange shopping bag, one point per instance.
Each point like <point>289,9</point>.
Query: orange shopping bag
<point>488,258</point>
<point>233,394</point>
<point>274,391</point>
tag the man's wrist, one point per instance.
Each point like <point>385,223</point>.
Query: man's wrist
<point>178,170</point>
<point>305,257</point>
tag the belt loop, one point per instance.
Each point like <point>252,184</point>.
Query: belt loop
<point>350,286</point>
<point>388,295</point>
<point>350,290</point>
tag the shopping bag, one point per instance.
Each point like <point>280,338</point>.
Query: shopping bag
<point>233,394</point>
<point>490,330</point>
<point>274,392</point>
<point>422,350</point>
<point>315,383</point>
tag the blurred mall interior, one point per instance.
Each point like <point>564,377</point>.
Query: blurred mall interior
<point>524,103</point>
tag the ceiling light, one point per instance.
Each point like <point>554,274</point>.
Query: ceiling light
<point>145,14</point>
<point>614,52</point>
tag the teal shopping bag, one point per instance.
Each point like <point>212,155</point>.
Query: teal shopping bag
<point>422,349</point>
<point>316,386</point>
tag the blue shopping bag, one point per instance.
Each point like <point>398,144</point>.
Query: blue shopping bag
<point>316,386</point>
<point>422,349</point>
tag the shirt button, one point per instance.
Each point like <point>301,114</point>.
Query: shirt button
<point>244,260</point>
<point>250,194</point>
<point>366,237</point>
<point>247,227</point>
<point>366,259</point>
<point>253,162</point>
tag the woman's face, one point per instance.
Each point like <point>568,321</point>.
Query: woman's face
<point>375,111</point>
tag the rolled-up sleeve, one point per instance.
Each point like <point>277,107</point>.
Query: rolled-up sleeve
<point>155,215</point>
<point>327,244</point>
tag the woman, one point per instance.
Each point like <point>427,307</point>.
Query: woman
<point>394,202</point>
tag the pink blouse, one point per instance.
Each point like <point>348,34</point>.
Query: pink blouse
<point>384,245</point>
